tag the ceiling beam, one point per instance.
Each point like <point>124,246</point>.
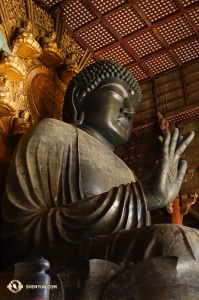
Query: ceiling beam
<point>171,115</point>
<point>157,34</point>
<point>137,59</point>
<point>186,15</point>
<point>146,20</point>
<point>191,191</point>
<point>99,18</point>
<point>193,167</point>
<point>163,50</point>
<point>187,121</point>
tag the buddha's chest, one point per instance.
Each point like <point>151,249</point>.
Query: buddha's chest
<point>100,169</point>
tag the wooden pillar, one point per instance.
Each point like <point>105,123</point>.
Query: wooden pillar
<point>176,217</point>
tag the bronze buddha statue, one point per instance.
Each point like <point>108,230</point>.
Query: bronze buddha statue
<point>69,197</point>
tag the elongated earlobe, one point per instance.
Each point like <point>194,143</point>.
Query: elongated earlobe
<point>77,97</point>
<point>80,120</point>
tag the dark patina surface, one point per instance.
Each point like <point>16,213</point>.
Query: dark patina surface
<point>77,204</point>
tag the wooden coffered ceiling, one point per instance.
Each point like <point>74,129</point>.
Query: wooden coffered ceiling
<point>148,37</point>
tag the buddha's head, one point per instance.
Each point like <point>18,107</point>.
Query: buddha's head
<point>103,98</point>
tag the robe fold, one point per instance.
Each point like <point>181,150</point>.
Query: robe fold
<point>69,197</point>
<point>65,187</point>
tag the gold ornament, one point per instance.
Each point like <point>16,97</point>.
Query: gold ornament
<point>12,67</point>
<point>25,45</point>
<point>45,94</point>
<point>7,106</point>
<point>51,55</point>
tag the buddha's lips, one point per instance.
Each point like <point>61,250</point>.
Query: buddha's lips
<point>123,122</point>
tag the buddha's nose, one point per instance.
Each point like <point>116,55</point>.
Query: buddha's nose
<point>127,112</point>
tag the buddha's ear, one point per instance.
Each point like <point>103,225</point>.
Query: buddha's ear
<point>78,94</point>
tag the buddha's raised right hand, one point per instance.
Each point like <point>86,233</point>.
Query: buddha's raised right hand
<point>164,182</point>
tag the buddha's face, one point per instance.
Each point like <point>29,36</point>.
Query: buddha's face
<point>109,111</point>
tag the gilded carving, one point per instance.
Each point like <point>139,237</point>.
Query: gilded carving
<point>20,124</point>
<point>16,9</point>
<point>186,201</point>
<point>7,106</point>
<point>5,18</point>
<point>25,45</point>
<point>30,88</point>
<point>163,123</point>
<point>19,96</point>
<point>71,68</point>
<point>73,64</point>
<point>45,94</point>
<point>51,55</point>
<point>41,18</point>
<point>12,67</point>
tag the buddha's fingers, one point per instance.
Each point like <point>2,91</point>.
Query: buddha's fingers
<point>182,145</point>
<point>173,142</point>
<point>165,146</point>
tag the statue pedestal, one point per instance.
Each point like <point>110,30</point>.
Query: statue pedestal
<point>161,278</point>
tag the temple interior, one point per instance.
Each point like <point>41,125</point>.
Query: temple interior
<point>44,43</point>
<point>158,41</point>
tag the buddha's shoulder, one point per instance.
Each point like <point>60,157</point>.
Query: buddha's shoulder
<point>52,129</point>
<point>54,125</point>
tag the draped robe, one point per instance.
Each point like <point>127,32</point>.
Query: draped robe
<point>68,195</point>
<point>64,185</point>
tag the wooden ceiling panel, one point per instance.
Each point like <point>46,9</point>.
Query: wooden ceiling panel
<point>175,30</point>
<point>160,63</point>
<point>90,61</point>
<point>93,23</point>
<point>156,10</point>
<point>186,3</point>
<point>103,6</point>
<point>145,43</point>
<point>194,14</point>
<point>189,51</point>
<point>96,36</point>
<point>51,2</point>
<point>126,21</point>
<point>118,54</point>
<point>77,14</point>
<point>156,34</point>
<point>139,73</point>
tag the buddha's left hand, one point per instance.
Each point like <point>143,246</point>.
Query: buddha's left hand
<point>163,184</point>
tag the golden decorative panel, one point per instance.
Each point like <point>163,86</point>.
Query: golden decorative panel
<point>12,68</point>
<point>45,94</point>
<point>32,84</point>
<point>25,45</point>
